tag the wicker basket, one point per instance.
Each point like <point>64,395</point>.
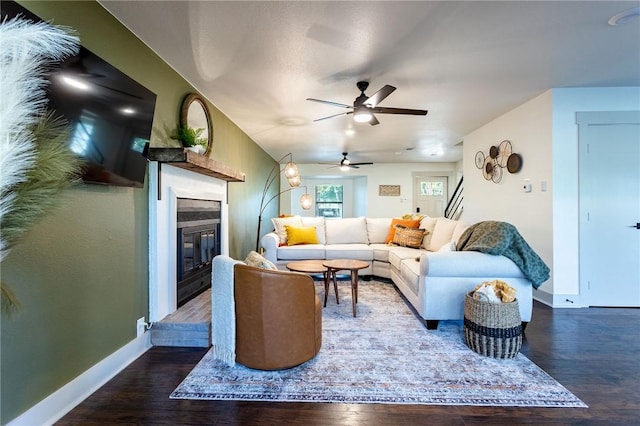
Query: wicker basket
<point>492,329</point>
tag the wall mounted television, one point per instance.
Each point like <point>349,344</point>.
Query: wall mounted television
<point>110,115</point>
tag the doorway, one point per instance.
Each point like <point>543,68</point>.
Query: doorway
<point>609,208</point>
<point>430,194</point>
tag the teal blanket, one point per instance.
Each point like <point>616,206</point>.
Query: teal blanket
<point>501,238</point>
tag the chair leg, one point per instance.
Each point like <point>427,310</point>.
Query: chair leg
<point>432,324</point>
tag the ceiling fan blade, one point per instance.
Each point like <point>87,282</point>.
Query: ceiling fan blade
<point>331,116</point>
<point>383,110</point>
<point>374,121</point>
<point>377,97</point>
<point>330,103</point>
<point>361,164</point>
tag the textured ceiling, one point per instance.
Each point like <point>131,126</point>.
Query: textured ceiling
<point>465,62</point>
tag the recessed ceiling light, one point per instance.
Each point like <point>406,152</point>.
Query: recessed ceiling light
<point>624,17</point>
<point>350,132</point>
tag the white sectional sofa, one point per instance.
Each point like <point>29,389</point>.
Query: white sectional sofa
<point>434,278</point>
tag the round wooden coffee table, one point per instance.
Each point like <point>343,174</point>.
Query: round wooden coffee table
<point>336,265</point>
<point>315,267</point>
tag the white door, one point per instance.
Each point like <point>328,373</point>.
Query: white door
<point>610,208</point>
<point>430,195</point>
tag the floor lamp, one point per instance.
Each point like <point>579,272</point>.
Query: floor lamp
<point>290,170</point>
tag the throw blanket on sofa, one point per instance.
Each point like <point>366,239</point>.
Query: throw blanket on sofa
<point>501,238</point>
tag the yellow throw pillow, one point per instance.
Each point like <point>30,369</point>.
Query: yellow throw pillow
<point>301,235</point>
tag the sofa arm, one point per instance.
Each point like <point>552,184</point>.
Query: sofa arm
<point>270,244</point>
<point>467,264</point>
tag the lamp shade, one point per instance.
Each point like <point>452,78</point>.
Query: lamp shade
<point>306,202</point>
<point>294,181</point>
<point>291,170</point>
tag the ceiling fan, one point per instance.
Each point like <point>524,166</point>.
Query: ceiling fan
<point>346,164</point>
<point>365,106</point>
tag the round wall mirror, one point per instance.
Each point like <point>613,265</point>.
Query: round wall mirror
<point>195,115</point>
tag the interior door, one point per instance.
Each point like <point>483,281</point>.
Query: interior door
<point>430,195</point>
<point>610,208</point>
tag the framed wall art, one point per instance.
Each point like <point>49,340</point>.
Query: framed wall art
<point>389,190</point>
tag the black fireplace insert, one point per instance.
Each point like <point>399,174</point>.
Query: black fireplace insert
<point>198,228</point>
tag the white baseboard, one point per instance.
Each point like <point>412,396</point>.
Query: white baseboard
<point>59,403</point>
<point>558,300</point>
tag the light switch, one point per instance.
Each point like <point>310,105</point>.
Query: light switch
<point>543,186</point>
<point>527,185</point>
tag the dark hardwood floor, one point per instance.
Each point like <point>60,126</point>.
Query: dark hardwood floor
<point>595,353</point>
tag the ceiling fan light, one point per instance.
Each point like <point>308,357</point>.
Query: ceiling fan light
<point>344,167</point>
<point>362,115</point>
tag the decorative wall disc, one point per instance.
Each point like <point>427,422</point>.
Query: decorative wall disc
<point>479,159</point>
<point>504,151</point>
<point>500,157</point>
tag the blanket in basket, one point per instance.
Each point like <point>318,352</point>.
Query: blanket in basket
<point>501,238</point>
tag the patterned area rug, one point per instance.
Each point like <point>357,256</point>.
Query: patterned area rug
<point>385,355</point>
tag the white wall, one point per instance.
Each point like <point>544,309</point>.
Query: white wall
<point>566,102</point>
<point>544,132</point>
<point>361,187</point>
<point>529,128</point>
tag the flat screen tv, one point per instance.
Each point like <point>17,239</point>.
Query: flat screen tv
<point>110,115</point>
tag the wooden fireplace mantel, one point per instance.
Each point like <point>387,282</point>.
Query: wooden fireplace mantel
<point>190,160</point>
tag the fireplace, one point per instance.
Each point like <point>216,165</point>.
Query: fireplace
<point>198,242</point>
<point>168,185</point>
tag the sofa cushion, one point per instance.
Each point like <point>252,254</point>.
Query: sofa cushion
<point>301,235</point>
<point>408,237</point>
<point>380,252</point>
<point>442,233</point>
<point>349,251</point>
<point>398,254</point>
<point>428,224</point>
<point>377,229</point>
<point>301,252</point>
<point>395,221</point>
<point>318,222</point>
<point>347,231</point>
<point>280,222</point>
<point>410,273</point>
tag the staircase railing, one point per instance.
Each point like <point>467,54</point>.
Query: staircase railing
<point>454,206</point>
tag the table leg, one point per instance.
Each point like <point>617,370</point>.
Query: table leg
<point>354,289</point>
<point>335,286</point>
<point>326,286</point>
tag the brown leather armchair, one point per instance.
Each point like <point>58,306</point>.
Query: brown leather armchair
<point>278,318</point>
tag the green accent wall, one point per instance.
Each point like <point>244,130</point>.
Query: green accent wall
<point>81,274</point>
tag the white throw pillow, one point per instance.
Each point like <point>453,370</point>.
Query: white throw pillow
<point>377,229</point>
<point>450,246</point>
<point>318,222</point>
<point>442,233</point>
<point>347,231</point>
<point>280,222</point>
<point>428,224</point>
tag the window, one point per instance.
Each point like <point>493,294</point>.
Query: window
<point>329,201</point>
<point>435,189</point>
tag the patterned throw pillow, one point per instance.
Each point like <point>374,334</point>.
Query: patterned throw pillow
<point>259,261</point>
<point>405,223</point>
<point>408,237</point>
